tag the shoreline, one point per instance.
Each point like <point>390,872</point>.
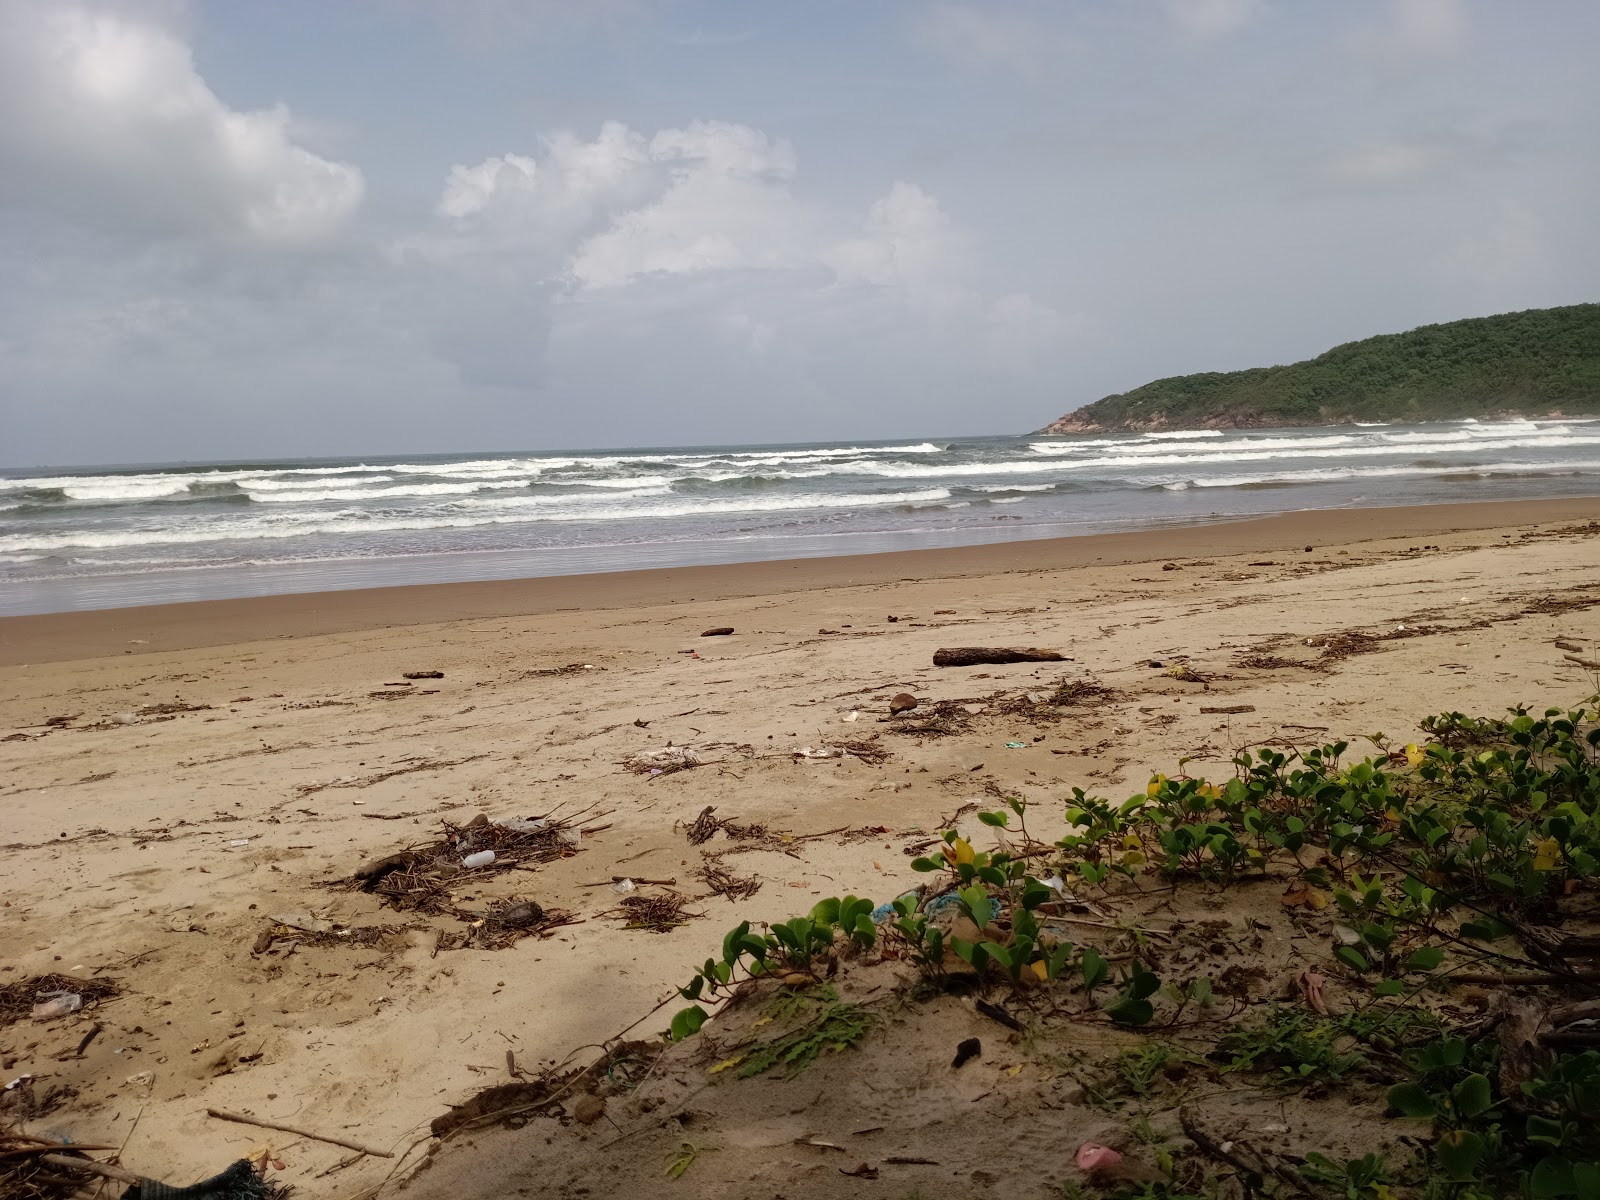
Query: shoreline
<point>145,629</point>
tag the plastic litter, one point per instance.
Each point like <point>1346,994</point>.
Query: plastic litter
<point>56,1004</point>
<point>303,921</point>
<point>1016,745</point>
<point>239,842</point>
<point>481,859</point>
<point>824,752</point>
<point>623,887</point>
<point>519,825</point>
<point>1092,1156</point>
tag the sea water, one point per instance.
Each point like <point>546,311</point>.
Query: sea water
<point>101,537</point>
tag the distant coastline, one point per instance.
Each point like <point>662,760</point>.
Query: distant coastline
<point>1541,363</point>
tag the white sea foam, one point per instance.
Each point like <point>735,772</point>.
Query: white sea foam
<point>1339,474</point>
<point>1186,433</point>
<point>358,521</point>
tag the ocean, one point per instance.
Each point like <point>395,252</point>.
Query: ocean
<point>106,537</point>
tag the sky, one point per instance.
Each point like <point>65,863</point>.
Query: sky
<point>234,230</point>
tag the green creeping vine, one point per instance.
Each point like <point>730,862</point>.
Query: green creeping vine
<point>1428,859</point>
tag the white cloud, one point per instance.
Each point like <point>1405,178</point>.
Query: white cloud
<point>909,244</point>
<point>1378,164</point>
<point>696,226</point>
<point>104,116</point>
<point>1211,18</point>
<point>1417,30</point>
<point>992,37</point>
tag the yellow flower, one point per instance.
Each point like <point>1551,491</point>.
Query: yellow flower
<point>1155,785</point>
<point>1414,755</point>
<point>1039,972</point>
<point>960,851</point>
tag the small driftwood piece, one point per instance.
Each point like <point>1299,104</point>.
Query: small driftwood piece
<point>224,1115</point>
<point>103,1170</point>
<point>974,656</point>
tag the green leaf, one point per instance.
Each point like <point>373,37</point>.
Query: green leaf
<point>1412,1100</point>
<point>1459,1152</point>
<point>687,1022</point>
<point>826,911</point>
<point>1131,1011</point>
<point>1144,983</point>
<point>978,905</point>
<point>1586,1180</point>
<point>722,971</point>
<point>1471,1096</point>
<point>1352,957</point>
<point>1425,959</point>
<point>1094,968</point>
<point>1543,1129</point>
<point>1058,960</point>
<point>1389,987</point>
<point>999,953</point>
<point>731,944</point>
<point>927,864</point>
<point>1552,1177</point>
<point>996,819</point>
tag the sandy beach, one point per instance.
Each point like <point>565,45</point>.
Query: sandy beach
<point>181,784</point>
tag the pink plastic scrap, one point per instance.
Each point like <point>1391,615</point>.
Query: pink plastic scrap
<point>1092,1156</point>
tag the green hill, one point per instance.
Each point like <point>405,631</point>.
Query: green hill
<point>1542,362</point>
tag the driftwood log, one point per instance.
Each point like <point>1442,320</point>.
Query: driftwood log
<point>973,656</point>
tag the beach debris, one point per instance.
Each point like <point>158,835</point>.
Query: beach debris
<point>420,877</point>
<point>816,752</point>
<point>901,702</point>
<point>995,1013</point>
<point>659,914</point>
<point>972,656</point>
<point>1184,673</point>
<point>705,826</point>
<point>25,997</point>
<point>223,1114</point>
<point>863,1171</point>
<point>1229,708</point>
<point>409,767</point>
<point>588,1108</point>
<point>966,1051</point>
<point>868,749</point>
<point>624,887</point>
<point>569,669</point>
<point>939,719</point>
<point>724,882</point>
<point>479,858</point>
<point>421,674</point>
<point>56,1004</point>
<point>1016,745</point>
<point>719,631</point>
<point>1092,1156</point>
<point>304,922</point>
<point>662,762</point>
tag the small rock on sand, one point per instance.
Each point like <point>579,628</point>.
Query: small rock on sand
<point>902,702</point>
<point>719,631</point>
<point>587,1109</point>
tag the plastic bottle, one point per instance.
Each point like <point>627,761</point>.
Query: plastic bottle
<point>481,859</point>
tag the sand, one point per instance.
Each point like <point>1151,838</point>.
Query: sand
<point>224,762</point>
